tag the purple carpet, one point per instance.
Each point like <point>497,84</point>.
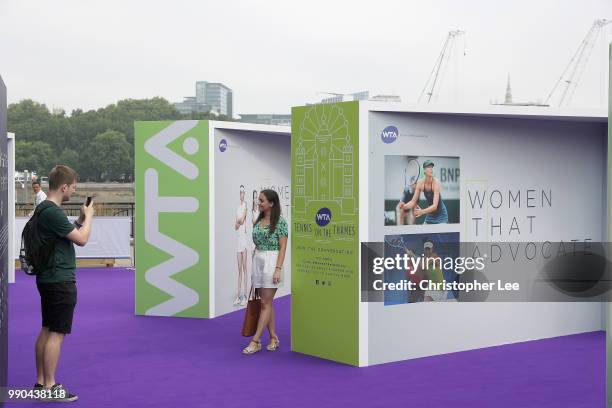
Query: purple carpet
<point>115,359</point>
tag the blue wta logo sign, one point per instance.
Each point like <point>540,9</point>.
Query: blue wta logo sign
<point>389,134</point>
<point>222,145</point>
<point>323,217</point>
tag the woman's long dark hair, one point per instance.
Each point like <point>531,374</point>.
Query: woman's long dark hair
<point>275,211</point>
<point>254,200</point>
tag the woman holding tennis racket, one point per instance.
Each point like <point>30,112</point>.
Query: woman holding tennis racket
<point>435,212</point>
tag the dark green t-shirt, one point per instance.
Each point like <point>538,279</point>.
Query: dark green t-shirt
<point>54,226</point>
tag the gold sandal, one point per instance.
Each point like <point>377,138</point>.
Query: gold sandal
<point>252,350</point>
<point>274,344</point>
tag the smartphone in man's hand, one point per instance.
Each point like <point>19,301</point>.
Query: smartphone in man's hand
<point>88,202</point>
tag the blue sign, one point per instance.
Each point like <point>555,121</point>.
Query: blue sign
<point>389,134</point>
<point>222,145</point>
<point>323,216</point>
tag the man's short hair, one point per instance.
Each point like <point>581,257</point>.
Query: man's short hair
<point>35,182</point>
<point>61,175</point>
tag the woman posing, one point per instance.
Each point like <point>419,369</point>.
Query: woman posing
<point>270,237</point>
<point>435,212</point>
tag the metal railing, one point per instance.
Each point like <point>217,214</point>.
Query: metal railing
<point>106,209</point>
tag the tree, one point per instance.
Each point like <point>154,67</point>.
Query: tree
<point>28,119</point>
<point>226,118</point>
<point>109,156</point>
<point>69,158</point>
<point>121,117</point>
<point>33,156</point>
<point>207,115</point>
<point>71,138</point>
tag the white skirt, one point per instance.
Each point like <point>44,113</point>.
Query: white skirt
<point>264,265</point>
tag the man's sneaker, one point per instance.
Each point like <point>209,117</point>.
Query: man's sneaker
<point>60,394</point>
<point>237,301</point>
<point>38,386</point>
<point>243,301</point>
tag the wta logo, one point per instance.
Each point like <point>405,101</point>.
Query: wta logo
<point>179,256</point>
<point>222,145</point>
<point>323,217</point>
<point>389,134</point>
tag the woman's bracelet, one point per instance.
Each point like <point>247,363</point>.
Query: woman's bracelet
<point>279,267</point>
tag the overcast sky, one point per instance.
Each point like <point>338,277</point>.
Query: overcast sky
<point>276,54</point>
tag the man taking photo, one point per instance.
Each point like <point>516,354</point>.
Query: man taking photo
<point>57,281</point>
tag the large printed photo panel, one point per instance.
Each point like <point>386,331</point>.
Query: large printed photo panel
<point>421,190</point>
<point>246,163</point>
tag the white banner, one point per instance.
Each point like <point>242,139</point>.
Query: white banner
<point>110,238</point>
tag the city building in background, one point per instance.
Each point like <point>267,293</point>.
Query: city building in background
<point>358,96</point>
<point>210,97</point>
<point>386,98</point>
<point>266,118</point>
<point>338,97</point>
<point>217,95</point>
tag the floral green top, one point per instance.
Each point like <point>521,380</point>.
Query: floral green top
<point>269,242</point>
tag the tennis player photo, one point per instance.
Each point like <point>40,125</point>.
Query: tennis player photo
<point>429,252</point>
<point>421,190</point>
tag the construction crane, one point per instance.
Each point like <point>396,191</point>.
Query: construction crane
<point>439,68</point>
<point>572,73</point>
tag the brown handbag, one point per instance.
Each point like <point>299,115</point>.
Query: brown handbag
<point>251,313</point>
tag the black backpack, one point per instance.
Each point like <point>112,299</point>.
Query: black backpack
<point>34,253</point>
